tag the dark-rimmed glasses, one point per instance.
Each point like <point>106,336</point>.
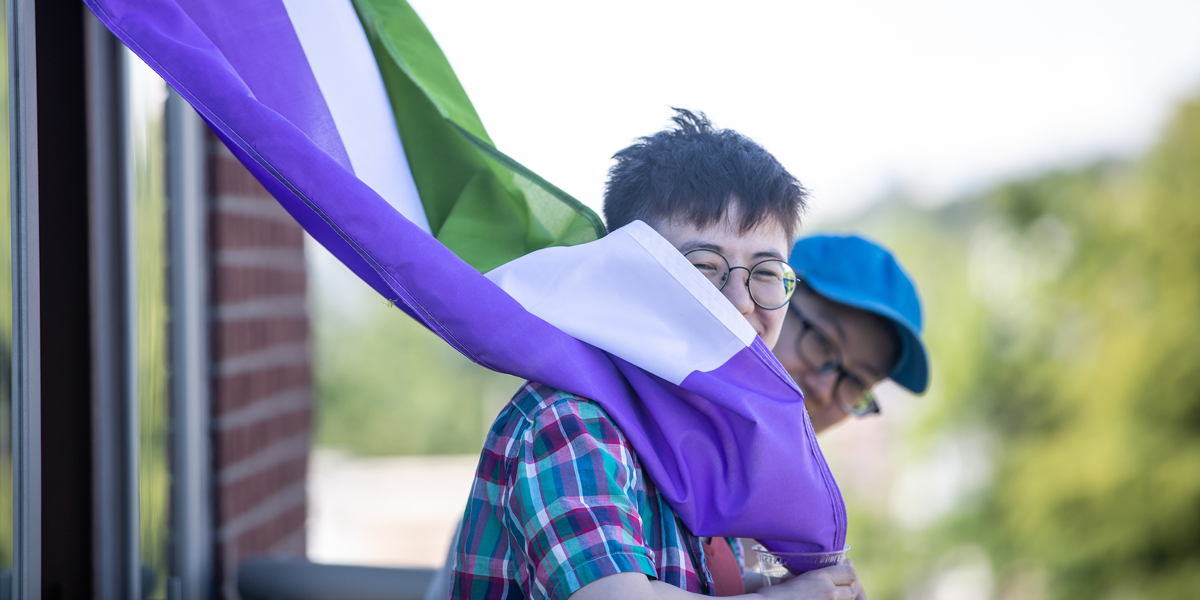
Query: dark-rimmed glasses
<point>770,283</point>
<point>823,356</point>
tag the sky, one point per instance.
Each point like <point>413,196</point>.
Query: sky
<point>857,99</point>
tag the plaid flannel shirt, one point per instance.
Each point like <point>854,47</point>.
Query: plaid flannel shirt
<point>559,500</point>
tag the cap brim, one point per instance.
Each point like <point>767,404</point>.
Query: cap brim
<point>912,370</point>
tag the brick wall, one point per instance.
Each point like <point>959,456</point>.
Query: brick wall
<point>262,381</point>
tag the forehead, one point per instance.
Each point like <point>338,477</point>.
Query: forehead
<point>726,235</point>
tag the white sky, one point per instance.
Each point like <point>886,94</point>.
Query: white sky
<point>854,97</point>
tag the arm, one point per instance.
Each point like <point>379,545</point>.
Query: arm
<point>573,501</point>
<point>832,583</point>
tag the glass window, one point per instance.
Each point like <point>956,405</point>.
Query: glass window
<point>147,94</point>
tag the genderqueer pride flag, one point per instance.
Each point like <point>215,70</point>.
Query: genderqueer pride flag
<point>350,116</point>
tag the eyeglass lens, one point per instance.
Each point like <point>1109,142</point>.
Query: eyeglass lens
<point>822,355</point>
<point>771,282</point>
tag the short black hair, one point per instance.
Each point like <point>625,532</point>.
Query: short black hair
<point>694,172</point>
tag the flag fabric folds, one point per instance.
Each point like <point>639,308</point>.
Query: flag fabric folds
<point>481,204</point>
<point>350,116</point>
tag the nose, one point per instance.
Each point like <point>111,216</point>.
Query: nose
<point>736,291</point>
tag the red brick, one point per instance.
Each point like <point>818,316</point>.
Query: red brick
<point>237,445</point>
<point>233,392</point>
<point>232,338</point>
<point>233,230</point>
<point>237,284</point>
<point>228,176</point>
<point>230,229</point>
<point>238,497</point>
<point>260,539</point>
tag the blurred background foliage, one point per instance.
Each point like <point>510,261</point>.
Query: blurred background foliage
<point>1064,321</point>
<point>385,385</point>
<point>1063,316</point>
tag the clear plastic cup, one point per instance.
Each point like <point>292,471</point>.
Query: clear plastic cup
<point>775,567</point>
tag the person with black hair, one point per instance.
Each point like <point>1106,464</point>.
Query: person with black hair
<point>560,506</point>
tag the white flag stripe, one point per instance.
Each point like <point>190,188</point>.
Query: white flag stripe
<point>698,286</point>
<point>597,292</point>
<point>342,62</point>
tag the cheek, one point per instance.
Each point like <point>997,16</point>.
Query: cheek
<point>786,353</point>
<point>772,324</point>
<point>785,348</point>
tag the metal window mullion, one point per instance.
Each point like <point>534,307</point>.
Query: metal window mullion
<point>191,494</point>
<point>116,570</point>
<point>26,331</point>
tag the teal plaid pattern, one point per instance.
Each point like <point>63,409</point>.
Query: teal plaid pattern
<point>559,500</point>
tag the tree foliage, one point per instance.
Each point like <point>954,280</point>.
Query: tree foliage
<point>1064,317</point>
<point>385,385</point>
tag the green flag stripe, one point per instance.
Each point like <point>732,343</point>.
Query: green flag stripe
<point>481,204</point>
<point>517,167</point>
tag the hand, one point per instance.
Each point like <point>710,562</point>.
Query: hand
<point>831,583</point>
<point>857,585</point>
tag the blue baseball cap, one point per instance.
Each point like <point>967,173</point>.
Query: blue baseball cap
<point>853,270</point>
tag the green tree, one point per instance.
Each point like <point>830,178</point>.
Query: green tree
<point>1064,319</point>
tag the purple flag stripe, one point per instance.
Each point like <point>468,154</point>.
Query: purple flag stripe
<point>257,40</point>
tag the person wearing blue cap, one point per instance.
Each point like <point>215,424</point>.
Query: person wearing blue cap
<point>854,321</point>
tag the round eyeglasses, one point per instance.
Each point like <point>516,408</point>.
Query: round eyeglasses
<point>770,283</point>
<point>821,355</point>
